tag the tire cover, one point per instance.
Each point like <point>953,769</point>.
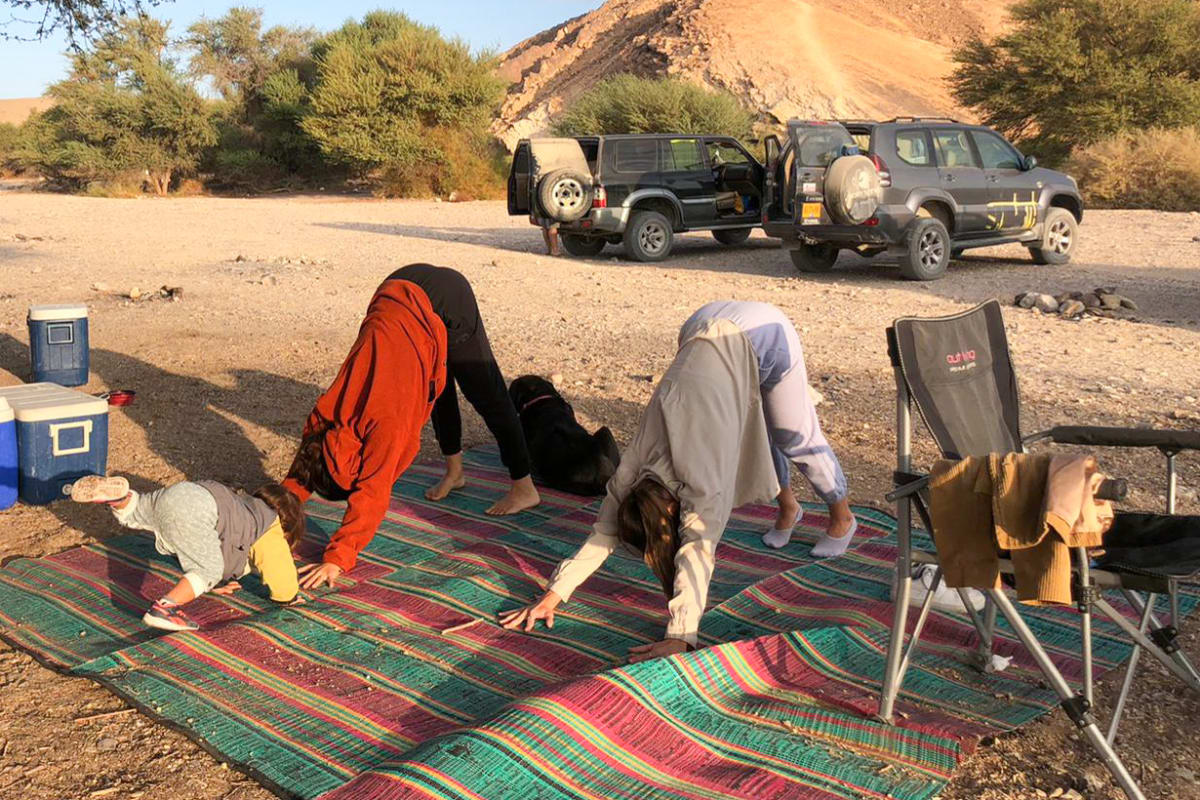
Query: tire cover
<point>852,190</point>
<point>565,195</point>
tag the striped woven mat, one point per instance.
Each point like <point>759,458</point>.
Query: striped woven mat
<point>380,688</point>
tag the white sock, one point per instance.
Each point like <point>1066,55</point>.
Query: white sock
<point>777,538</point>
<point>827,546</point>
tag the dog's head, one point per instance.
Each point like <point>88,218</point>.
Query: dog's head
<point>528,388</point>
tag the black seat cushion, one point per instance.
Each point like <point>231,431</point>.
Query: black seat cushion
<point>1155,544</point>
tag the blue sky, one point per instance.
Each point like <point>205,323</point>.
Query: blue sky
<point>27,68</point>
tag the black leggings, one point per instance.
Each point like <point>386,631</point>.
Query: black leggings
<point>470,364</point>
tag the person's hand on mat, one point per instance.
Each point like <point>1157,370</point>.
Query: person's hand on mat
<point>530,614</point>
<point>228,588</point>
<point>314,575</point>
<point>667,647</point>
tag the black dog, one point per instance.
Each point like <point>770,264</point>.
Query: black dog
<point>565,456</point>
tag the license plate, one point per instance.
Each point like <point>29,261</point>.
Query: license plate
<point>811,211</point>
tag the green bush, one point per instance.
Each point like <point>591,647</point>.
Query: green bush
<point>629,104</point>
<point>1072,72</point>
<point>10,138</point>
<point>1156,168</point>
<point>390,93</point>
<point>123,111</point>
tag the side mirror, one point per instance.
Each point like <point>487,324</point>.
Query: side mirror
<point>1028,163</point>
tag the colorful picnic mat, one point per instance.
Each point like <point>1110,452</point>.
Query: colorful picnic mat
<point>380,689</point>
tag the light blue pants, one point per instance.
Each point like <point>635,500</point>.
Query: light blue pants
<point>791,418</point>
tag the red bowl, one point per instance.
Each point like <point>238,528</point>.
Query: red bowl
<point>120,397</point>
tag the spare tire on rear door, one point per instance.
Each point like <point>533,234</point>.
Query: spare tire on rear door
<point>565,195</point>
<point>852,190</point>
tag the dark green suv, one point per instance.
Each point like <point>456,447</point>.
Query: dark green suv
<point>637,190</point>
<point>921,189</point>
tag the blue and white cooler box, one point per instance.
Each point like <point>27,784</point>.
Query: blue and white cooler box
<point>8,456</point>
<point>62,435</point>
<point>58,344</point>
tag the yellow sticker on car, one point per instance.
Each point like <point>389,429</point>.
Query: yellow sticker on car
<point>811,211</point>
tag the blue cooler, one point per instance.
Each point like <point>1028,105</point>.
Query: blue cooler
<point>58,344</point>
<point>8,456</point>
<point>62,435</point>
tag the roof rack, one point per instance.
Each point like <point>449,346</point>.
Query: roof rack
<point>925,119</point>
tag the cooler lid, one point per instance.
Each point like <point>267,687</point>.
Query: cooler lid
<point>58,312</point>
<point>39,402</point>
<point>6,412</point>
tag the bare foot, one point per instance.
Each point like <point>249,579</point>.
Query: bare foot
<point>789,510</point>
<point>841,520</point>
<point>521,496</point>
<point>445,486</point>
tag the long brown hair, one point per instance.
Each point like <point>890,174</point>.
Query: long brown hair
<point>287,506</point>
<point>648,522</point>
<point>310,470</point>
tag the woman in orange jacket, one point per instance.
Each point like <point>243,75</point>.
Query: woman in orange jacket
<point>365,430</point>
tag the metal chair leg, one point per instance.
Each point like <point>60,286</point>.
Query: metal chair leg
<point>1173,666</point>
<point>1127,683</point>
<point>901,593</point>
<point>1178,656</point>
<point>1075,706</point>
<point>915,636</point>
<point>1086,592</point>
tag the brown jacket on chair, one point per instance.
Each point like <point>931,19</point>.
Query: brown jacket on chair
<point>1036,507</point>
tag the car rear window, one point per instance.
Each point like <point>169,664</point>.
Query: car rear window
<point>912,147</point>
<point>818,145</point>
<point>634,155</point>
<point>682,155</point>
<point>953,149</point>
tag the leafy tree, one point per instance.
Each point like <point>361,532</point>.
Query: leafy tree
<point>387,88</point>
<point>630,104</point>
<point>1071,72</point>
<point>239,57</point>
<point>79,20</point>
<point>123,109</point>
<point>264,78</point>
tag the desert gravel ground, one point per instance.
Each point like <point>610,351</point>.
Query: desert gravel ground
<point>273,290</point>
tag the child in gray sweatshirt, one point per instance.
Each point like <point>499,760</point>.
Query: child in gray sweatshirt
<point>217,534</point>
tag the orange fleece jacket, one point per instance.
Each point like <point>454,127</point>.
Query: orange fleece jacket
<point>375,409</point>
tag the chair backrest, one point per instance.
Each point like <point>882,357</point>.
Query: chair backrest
<point>960,376</point>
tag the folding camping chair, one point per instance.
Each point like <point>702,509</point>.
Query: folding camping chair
<point>958,372</point>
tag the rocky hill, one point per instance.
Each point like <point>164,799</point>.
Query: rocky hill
<point>784,58</point>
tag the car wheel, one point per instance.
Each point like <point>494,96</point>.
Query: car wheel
<point>1058,241</point>
<point>732,236</point>
<point>648,236</point>
<point>814,257</point>
<point>565,195</point>
<point>927,251</point>
<point>578,245</point>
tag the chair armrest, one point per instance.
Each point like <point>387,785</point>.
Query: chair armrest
<point>1170,440</point>
<point>907,484</point>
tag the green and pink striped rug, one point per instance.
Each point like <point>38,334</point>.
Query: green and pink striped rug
<point>381,689</point>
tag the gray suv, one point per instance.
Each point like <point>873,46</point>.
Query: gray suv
<point>921,189</point>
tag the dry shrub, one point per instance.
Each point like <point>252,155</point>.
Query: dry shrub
<point>459,164</point>
<point>1156,168</point>
<point>190,187</point>
<point>131,183</point>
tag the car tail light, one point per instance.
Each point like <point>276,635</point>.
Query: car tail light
<point>885,177</point>
<point>600,198</point>
<point>872,222</point>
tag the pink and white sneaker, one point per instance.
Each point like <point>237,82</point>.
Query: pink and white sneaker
<point>98,489</point>
<point>169,617</point>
